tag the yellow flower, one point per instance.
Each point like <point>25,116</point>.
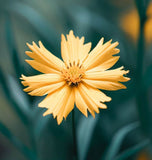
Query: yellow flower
<point>75,80</point>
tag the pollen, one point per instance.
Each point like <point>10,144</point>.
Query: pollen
<point>73,73</point>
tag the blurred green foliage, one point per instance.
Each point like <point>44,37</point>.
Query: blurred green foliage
<point>123,131</point>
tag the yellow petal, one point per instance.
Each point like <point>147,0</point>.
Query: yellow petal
<point>109,75</point>
<point>80,103</point>
<point>99,47</point>
<point>105,65</point>
<point>105,85</point>
<point>98,95</point>
<point>42,55</point>
<point>64,49</point>
<point>46,89</point>
<point>58,96</point>
<point>100,54</point>
<point>41,67</point>
<point>48,100</point>
<point>73,48</point>
<point>70,104</point>
<point>43,78</point>
<point>87,98</point>
<point>59,103</point>
<point>92,112</point>
<point>40,85</point>
<point>83,53</point>
<point>60,107</point>
<point>55,61</point>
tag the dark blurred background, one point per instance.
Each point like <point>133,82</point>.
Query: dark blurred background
<point>123,131</point>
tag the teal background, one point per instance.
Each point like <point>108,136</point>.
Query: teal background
<point>123,131</point>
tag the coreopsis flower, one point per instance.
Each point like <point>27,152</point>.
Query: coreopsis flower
<point>75,80</point>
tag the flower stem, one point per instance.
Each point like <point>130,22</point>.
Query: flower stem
<point>75,155</point>
<point>141,93</point>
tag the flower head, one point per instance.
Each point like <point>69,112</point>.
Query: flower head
<point>75,80</point>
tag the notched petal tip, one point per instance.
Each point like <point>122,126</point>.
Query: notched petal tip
<point>27,89</point>
<point>22,77</point>
<point>46,113</point>
<point>117,42</point>
<point>59,119</point>
<point>40,44</point>
<point>128,78</point>
<point>82,39</point>
<point>97,111</point>
<point>110,41</point>
<point>124,87</point>
<point>116,51</point>
<point>86,114</point>
<point>33,43</point>
<point>41,105</point>
<point>102,40</point>
<point>63,38</point>
<point>59,122</point>
<point>26,60</point>
<point>29,93</point>
<point>103,106</point>
<point>24,83</point>
<point>127,72</point>
<point>93,115</point>
<point>108,99</point>
<point>29,45</point>
<point>121,68</point>
<point>70,32</point>
<point>89,45</point>
<point>28,52</point>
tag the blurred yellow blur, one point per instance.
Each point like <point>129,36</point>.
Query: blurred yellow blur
<point>143,156</point>
<point>130,24</point>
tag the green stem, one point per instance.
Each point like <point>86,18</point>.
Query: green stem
<point>75,155</point>
<point>141,93</point>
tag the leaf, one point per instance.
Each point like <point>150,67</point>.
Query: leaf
<point>17,143</point>
<point>47,31</point>
<point>39,122</point>
<point>84,134</point>
<point>117,141</point>
<point>12,47</point>
<point>14,98</point>
<point>133,150</point>
<point>18,95</point>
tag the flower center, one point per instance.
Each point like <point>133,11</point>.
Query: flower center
<point>73,73</point>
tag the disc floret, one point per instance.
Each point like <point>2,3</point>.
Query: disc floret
<point>73,73</point>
